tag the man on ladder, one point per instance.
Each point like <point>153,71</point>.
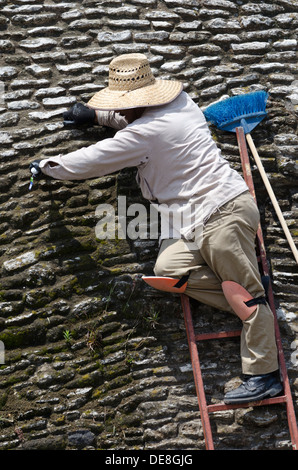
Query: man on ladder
<point>164,134</point>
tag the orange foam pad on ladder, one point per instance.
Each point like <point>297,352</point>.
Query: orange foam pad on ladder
<point>236,295</point>
<point>166,284</point>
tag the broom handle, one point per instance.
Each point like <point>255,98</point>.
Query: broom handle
<point>272,196</point>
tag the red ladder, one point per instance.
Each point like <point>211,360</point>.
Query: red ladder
<point>193,338</point>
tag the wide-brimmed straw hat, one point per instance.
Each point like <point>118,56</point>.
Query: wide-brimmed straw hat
<point>132,85</point>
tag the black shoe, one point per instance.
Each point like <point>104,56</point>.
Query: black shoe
<point>254,388</point>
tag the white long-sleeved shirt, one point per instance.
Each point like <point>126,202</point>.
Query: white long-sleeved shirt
<point>179,165</point>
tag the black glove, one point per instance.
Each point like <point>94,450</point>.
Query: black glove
<point>35,169</point>
<point>79,114</point>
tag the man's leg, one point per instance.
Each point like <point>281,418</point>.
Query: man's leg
<point>177,258</point>
<point>229,250</point>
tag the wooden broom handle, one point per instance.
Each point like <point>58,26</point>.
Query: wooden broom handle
<point>272,196</point>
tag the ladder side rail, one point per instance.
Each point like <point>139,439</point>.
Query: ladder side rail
<point>193,349</point>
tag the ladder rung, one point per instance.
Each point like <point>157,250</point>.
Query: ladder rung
<point>267,401</point>
<point>221,334</point>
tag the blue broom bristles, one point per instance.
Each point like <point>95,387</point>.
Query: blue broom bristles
<point>235,107</point>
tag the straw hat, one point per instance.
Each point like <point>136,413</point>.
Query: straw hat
<point>132,85</point>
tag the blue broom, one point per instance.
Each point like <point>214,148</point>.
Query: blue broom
<point>247,111</point>
<point>242,110</point>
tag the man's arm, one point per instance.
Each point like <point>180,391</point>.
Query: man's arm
<point>111,119</point>
<point>79,114</point>
<point>126,149</point>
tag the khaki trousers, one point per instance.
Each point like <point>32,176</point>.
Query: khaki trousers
<point>227,253</point>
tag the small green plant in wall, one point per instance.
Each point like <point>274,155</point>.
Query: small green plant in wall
<point>152,317</point>
<point>67,336</point>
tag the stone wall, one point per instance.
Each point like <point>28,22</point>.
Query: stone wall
<point>93,358</point>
